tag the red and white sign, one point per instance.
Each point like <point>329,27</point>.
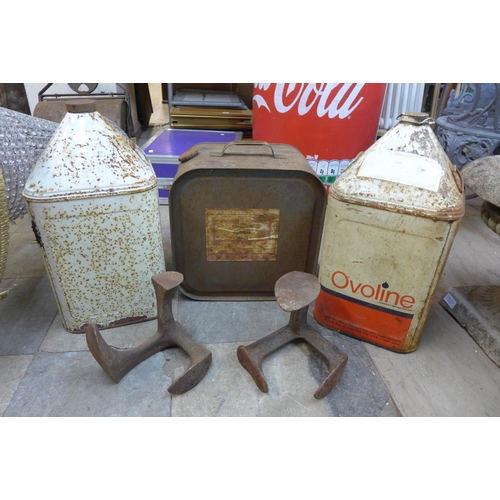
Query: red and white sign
<point>329,123</point>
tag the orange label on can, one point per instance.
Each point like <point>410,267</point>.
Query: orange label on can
<point>380,293</point>
<point>373,323</point>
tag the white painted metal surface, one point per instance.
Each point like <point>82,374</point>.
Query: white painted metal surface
<point>390,223</point>
<point>93,197</point>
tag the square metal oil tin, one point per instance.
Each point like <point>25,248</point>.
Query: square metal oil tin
<point>92,196</point>
<point>165,147</point>
<point>242,215</point>
<point>391,219</point>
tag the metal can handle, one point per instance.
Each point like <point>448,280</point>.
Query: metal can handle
<point>416,118</point>
<point>457,177</point>
<point>249,143</point>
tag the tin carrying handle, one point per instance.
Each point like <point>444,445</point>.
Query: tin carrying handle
<point>248,143</point>
<point>457,177</point>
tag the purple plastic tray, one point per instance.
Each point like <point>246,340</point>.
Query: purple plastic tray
<point>165,147</point>
<point>173,142</point>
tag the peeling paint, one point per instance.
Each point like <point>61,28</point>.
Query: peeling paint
<point>447,203</point>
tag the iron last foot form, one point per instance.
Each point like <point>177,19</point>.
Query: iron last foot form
<point>294,292</point>
<point>117,362</point>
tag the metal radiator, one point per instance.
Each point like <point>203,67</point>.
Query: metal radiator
<point>400,98</point>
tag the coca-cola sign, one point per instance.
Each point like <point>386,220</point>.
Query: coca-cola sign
<point>330,123</point>
<point>331,99</point>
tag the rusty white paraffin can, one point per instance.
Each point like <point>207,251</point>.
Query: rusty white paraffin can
<point>390,223</point>
<point>93,198</point>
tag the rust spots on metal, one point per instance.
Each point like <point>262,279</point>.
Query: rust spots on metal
<point>407,199</point>
<point>118,362</point>
<point>242,235</point>
<point>115,324</point>
<point>448,203</point>
<point>294,292</point>
<point>95,203</point>
<point>68,158</point>
<point>101,255</point>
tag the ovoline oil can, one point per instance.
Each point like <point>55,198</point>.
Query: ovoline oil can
<point>390,222</point>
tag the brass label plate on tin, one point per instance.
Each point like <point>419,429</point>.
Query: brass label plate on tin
<point>242,234</point>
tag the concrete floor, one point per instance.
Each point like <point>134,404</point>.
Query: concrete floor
<point>46,371</point>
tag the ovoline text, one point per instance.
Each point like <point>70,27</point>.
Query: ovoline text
<point>381,292</point>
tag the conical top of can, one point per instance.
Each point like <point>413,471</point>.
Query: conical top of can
<point>88,157</point>
<point>407,171</point>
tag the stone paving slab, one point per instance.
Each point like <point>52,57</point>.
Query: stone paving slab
<point>214,322</point>
<point>21,225</point>
<point>476,309</point>
<point>65,380</point>
<point>60,340</point>
<point>25,314</point>
<point>72,384</point>
<point>24,256</point>
<point>12,370</point>
<point>293,374</point>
